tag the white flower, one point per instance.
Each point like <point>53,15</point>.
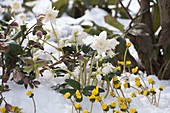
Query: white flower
<point>107,68</point>
<point>110,53</point>
<point>1,10</point>
<point>113,43</point>
<point>101,44</point>
<point>16,6</point>
<point>77,35</point>
<point>50,15</point>
<point>20,18</point>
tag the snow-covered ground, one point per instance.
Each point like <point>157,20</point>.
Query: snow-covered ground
<point>49,101</point>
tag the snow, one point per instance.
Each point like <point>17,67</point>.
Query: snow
<point>49,101</point>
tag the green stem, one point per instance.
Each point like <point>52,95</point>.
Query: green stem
<point>143,82</point>
<point>108,89</point>
<point>91,67</point>
<point>124,60</point>
<point>134,88</point>
<point>158,98</point>
<point>55,33</point>
<point>34,104</point>
<point>91,107</point>
<point>73,105</point>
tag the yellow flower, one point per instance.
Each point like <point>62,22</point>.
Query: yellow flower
<point>121,100</point>
<point>140,92</point>
<point>152,90</point>
<point>126,85</point>
<point>117,68</point>
<point>116,111</point>
<point>120,62</point>
<point>128,62</point>
<point>29,93</point>
<point>98,98</point>
<point>3,110</point>
<point>134,70</point>
<point>118,85</point>
<point>146,93</point>
<point>128,100</point>
<point>92,97</point>
<point>78,94</point>
<point>85,111</point>
<point>138,84</point>
<point>115,79</point>
<point>112,94</point>
<point>133,94</point>
<point>113,104</point>
<point>161,88</point>
<point>123,107</point>
<point>150,80</point>
<point>136,79</point>
<point>132,110</point>
<point>105,107</point>
<point>95,91</point>
<point>78,106</point>
<point>13,108</point>
<point>67,95</point>
<point>128,44</point>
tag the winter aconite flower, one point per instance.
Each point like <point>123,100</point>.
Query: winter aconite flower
<point>50,15</point>
<point>29,93</point>
<point>146,93</point>
<point>92,98</point>
<point>16,6</point>
<point>150,80</point>
<point>115,79</point>
<point>99,98</point>
<point>128,44</point>
<point>105,107</point>
<point>134,70</point>
<point>126,85</point>
<point>95,91</point>
<point>3,110</point>
<point>132,94</point>
<point>120,62</point>
<point>78,94</point>
<point>132,110</point>
<point>128,62</point>
<point>67,95</point>
<point>85,111</point>
<point>123,107</point>
<point>113,105</point>
<point>161,88</point>
<point>78,106</point>
<point>152,90</point>
<point>112,94</point>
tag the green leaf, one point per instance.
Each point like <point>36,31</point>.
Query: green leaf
<point>14,48</point>
<point>71,91</point>
<point>88,89</point>
<point>17,35</point>
<point>113,22</point>
<point>73,83</point>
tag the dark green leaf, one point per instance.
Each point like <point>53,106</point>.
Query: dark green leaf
<point>73,83</point>
<point>71,91</point>
<point>112,21</point>
<point>14,48</point>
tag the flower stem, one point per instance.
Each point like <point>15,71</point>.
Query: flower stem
<point>91,107</point>
<point>124,60</point>
<point>158,98</point>
<point>108,89</point>
<point>34,104</point>
<point>55,33</point>
<point>73,105</point>
<point>91,67</point>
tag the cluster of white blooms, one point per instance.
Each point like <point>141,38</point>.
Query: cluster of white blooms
<point>50,15</point>
<point>16,6</point>
<point>77,36</point>
<point>103,45</point>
